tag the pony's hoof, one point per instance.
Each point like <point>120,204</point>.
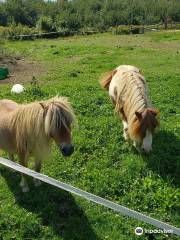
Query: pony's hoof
<point>25,189</point>
<point>37,182</point>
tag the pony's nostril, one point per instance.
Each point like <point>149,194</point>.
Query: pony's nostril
<point>67,150</point>
<point>71,149</point>
<point>63,150</point>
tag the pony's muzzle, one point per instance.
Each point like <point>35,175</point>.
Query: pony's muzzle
<point>67,149</point>
<point>146,150</point>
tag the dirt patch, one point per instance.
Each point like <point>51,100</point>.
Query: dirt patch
<point>20,69</point>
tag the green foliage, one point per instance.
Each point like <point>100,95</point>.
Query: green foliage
<point>1,45</point>
<point>120,30</point>
<point>68,21</point>
<point>125,29</point>
<point>35,91</point>
<point>45,24</point>
<point>97,14</point>
<point>20,11</point>
<point>3,49</point>
<point>15,30</point>
<point>103,163</point>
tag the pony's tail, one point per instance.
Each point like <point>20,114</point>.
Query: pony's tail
<point>106,80</point>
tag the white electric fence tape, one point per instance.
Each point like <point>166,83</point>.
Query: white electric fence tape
<point>91,197</point>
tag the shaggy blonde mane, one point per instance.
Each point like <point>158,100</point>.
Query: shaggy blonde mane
<point>132,95</point>
<point>59,113</point>
<point>32,123</point>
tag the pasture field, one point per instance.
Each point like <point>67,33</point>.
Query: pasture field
<point>102,163</point>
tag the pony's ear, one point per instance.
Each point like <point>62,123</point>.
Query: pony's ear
<point>43,105</point>
<point>154,111</point>
<point>138,115</point>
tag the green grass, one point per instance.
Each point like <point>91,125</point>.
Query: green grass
<point>102,163</point>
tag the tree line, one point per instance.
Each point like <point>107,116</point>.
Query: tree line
<point>87,14</point>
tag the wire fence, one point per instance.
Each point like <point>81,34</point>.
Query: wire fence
<point>120,29</point>
<point>91,197</point>
<point>46,35</point>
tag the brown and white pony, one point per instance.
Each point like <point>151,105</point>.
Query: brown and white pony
<point>128,91</point>
<point>28,130</point>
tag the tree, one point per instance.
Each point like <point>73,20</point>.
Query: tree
<point>96,14</point>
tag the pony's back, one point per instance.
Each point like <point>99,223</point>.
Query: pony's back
<point>131,91</point>
<point>7,105</point>
<point>107,78</point>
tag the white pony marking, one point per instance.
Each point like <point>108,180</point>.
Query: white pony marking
<point>125,125</point>
<point>147,142</point>
<point>125,130</point>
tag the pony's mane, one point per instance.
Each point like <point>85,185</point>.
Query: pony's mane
<point>35,121</point>
<point>133,95</point>
<point>59,113</point>
<point>106,80</point>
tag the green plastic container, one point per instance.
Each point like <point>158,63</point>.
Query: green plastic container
<point>3,73</point>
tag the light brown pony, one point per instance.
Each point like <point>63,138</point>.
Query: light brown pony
<point>128,91</point>
<point>28,130</point>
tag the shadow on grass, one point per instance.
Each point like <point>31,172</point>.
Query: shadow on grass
<point>165,157</point>
<point>55,208</point>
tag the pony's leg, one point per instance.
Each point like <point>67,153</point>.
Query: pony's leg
<point>125,125</point>
<point>125,130</point>
<point>136,145</point>
<point>11,156</point>
<point>38,164</point>
<point>23,183</point>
